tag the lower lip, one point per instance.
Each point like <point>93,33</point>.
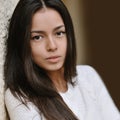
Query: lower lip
<point>53,60</point>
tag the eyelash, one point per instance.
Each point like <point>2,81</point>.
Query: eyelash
<point>37,37</point>
<point>59,33</point>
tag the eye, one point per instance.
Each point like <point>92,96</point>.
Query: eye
<point>60,33</point>
<point>37,37</point>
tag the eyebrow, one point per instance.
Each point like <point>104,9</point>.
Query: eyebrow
<point>40,31</point>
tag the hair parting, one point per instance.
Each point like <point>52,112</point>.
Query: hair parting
<point>43,4</point>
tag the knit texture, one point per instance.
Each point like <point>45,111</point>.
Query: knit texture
<point>88,99</point>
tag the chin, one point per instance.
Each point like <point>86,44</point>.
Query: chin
<point>54,67</point>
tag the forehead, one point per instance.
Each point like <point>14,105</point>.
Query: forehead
<point>46,18</point>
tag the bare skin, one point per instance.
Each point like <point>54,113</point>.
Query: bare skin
<point>58,80</point>
<point>49,44</point>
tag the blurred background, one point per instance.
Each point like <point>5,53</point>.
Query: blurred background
<point>97,29</point>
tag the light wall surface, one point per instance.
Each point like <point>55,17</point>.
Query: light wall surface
<point>6,8</point>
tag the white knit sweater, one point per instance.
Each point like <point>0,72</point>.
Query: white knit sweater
<point>88,99</point>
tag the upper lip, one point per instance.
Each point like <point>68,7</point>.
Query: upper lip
<point>52,57</point>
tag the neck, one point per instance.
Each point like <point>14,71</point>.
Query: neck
<point>58,80</point>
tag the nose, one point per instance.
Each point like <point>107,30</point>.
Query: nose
<point>51,44</point>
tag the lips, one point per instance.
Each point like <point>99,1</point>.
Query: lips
<point>53,59</point>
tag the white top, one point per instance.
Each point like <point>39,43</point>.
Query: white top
<point>89,100</point>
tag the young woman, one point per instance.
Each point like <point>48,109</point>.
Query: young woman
<point>41,76</point>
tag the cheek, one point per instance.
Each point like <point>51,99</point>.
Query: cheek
<point>38,57</point>
<point>64,47</point>
<point>36,52</point>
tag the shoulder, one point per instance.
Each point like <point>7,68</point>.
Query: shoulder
<point>12,103</point>
<point>93,89</point>
<point>17,110</point>
<point>9,98</point>
<point>88,76</point>
<point>90,80</point>
<point>87,71</point>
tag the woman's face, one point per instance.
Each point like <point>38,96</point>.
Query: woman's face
<point>48,39</point>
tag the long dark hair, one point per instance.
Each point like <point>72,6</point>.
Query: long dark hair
<point>22,76</point>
